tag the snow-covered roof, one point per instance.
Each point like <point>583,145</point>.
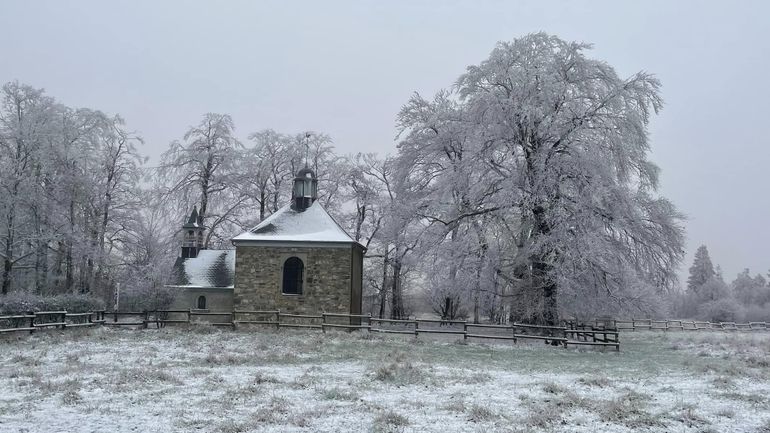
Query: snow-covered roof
<point>211,268</point>
<point>314,224</point>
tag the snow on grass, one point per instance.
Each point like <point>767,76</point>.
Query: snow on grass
<point>200,379</point>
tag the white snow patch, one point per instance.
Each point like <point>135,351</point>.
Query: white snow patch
<point>288,225</point>
<point>199,270</point>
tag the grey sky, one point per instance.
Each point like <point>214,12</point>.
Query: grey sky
<point>345,68</point>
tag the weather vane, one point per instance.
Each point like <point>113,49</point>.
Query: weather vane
<point>307,146</point>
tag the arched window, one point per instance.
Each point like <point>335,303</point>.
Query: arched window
<point>293,270</point>
<point>201,302</point>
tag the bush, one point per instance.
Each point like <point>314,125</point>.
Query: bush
<point>74,303</point>
<point>757,313</point>
<point>154,298</point>
<point>721,310</point>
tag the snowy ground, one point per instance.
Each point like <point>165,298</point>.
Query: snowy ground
<point>200,379</point>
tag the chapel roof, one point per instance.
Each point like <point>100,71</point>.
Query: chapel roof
<point>210,269</point>
<point>313,224</point>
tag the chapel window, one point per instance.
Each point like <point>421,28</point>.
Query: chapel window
<point>201,302</point>
<point>293,270</point>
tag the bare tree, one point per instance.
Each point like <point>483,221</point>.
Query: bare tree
<point>204,169</point>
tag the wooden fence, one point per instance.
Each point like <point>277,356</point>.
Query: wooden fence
<point>34,321</point>
<point>665,325</point>
<point>554,335</point>
<point>598,332</point>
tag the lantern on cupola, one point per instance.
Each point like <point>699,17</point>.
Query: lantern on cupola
<point>305,189</point>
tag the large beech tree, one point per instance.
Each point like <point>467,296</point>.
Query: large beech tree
<point>563,141</point>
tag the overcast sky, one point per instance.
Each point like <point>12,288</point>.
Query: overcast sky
<point>345,68</point>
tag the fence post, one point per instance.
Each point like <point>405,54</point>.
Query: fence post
<point>145,319</point>
<point>63,319</point>
<point>115,316</point>
<point>465,330</point>
<point>369,322</point>
<point>31,321</point>
<point>277,319</point>
<point>416,327</point>
<point>189,315</point>
<point>323,322</point>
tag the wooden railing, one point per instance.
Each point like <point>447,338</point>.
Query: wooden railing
<point>555,335</point>
<point>665,325</point>
<point>34,321</point>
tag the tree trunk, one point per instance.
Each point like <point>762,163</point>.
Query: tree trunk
<point>69,277</point>
<point>542,270</point>
<point>397,300</point>
<point>9,240</point>
<point>360,218</point>
<point>383,287</point>
<point>7,267</point>
<point>41,267</point>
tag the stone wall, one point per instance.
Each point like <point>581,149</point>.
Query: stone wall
<point>326,285</point>
<point>217,299</point>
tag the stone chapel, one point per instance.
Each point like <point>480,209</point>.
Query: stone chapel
<point>299,260</point>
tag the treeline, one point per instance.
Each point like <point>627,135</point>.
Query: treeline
<point>523,192</point>
<point>709,297</point>
<point>68,188</point>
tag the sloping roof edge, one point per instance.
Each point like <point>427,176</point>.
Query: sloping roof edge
<point>287,225</point>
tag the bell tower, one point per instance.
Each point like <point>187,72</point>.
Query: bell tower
<point>305,190</point>
<point>192,235</point>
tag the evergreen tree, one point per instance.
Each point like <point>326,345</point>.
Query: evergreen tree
<point>701,270</point>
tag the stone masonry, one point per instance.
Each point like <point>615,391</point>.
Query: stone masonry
<point>326,286</point>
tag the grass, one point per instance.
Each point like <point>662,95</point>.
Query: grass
<point>389,421</point>
<point>205,379</point>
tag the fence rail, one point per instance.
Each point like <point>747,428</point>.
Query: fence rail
<point>555,335</point>
<point>34,321</point>
<point>664,325</point>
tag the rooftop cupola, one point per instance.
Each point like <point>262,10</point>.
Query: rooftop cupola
<point>192,235</point>
<point>305,190</point>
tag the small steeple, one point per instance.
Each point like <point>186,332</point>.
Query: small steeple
<point>192,232</point>
<point>305,190</point>
<point>193,220</point>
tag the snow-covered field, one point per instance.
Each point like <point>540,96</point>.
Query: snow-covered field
<point>200,379</point>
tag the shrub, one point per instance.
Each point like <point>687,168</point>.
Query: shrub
<point>721,310</point>
<point>154,298</point>
<point>757,313</point>
<point>389,421</point>
<point>400,372</point>
<point>15,303</point>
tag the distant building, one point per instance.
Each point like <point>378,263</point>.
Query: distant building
<point>296,260</point>
<point>203,279</point>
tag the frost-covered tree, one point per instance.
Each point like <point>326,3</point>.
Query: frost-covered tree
<point>558,143</point>
<point>26,117</point>
<point>69,186</point>
<point>701,270</point>
<point>204,170</point>
<point>268,170</point>
<point>750,290</point>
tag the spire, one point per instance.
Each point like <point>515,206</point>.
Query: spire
<point>192,235</point>
<point>194,219</point>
